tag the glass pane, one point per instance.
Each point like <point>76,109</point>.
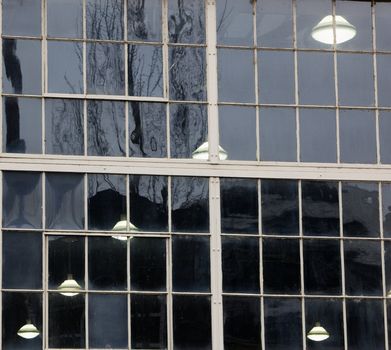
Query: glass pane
<point>186,21</point>
<point>238,132</point>
<point>383,25</point>
<point>384,79</point>
<point>65,201</point>
<point>190,204</point>
<point>106,202</point>
<point>22,66</point>
<point>64,18</point>
<point>105,19</point>
<point>148,202</point>
<point>105,68</point>
<point>188,129</point>
<point>385,140</point>
<point>322,267</point>
<point>108,325</point>
<point>280,207</point>
<point>386,191</point>
<point>360,203</point>
<point>106,128</point>
<point>148,322</point>
<point>148,264</point>
<point>281,266</point>
<point>64,126</point>
<point>274,23</point>
<point>22,199</point>
<point>17,309</point>
<point>145,65</point>
<point>239,206</point>
<point>236,85</point>
<point>144,20</point>
<point>240,263</point>
<point>22,17</point>
<point>65,67</point>
<point>22,260</point>
<point>357,136</point>
<point>363,268</point>
<point>66,321</point>
<point>190,264</point>
<point>147,130</point>
<point>387,265</point>
<point>242,323</point>
<point>22,125</point>
<point>104,272</point>
<point>320,208</point>
<point>187,73</point>
<point>235,23</point>
<point>192,322</point>
<point>278,134</point>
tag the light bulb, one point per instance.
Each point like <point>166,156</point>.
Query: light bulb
<point>202,152</point>
<point>318,333</point>
<point>28,331</point>
<point>324,33</point>
<point>69,287</point>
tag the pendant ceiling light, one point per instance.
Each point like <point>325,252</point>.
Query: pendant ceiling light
<point>324,33</point>
<point>69,287</point>
<point>28,331</point>
<point>318,333</point>
<point>202,152</point>
<point>122,226</point>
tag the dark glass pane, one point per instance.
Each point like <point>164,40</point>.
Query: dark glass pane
<point>65,201</point>
<point>148,264</point>
<point>18,308</point>
<point>149,322</point>
<point>192,322</point>
<point>387,265</point>
<point>105,68</point>
<point>106,201</point>
<point>144,20</point>
<point>384,139</point>
<point>190,204</point>
<point>238,132</point>
<point>386,191</point>
<point>235,23</point>
<point>328,312</point>
<point>383,25</point>
<point>64,127</point>
<point>22,66</point>
<point>187,73</point>
<point>316,78</point>
<point>145,67</point>
<point>147,130</point>
<point>365,324</point>
<point>320,208</point>
<point>106,273</point>
<point>22,199</point>
<point>278,134</point>
<point>283,324</point>
<point>106,128</point>
<point>148,202</point>
<point>236,85</point>
<point>65,67</point>
<point>239,206</point>
<point>186,21</point>
<point>322,267</point>
<point>281,266</point>
<point>108,325</point>
<point>64,18</point>
<point>240,263</point>
<point>355,70</point>
<point>360,203</point>
<point>274,23</point>
<point>280,207</point>
<point>66,321</point>
<point>276,76</point>
<point>242,323</point>
<point>363,268</point>
<point>190,264</point>
<point>22,260</point>
<point>66,257</point>
<point>384,79</point>
<point>22,17</point>
<point>357,136</point>
<point>22,125</point>
<point>105,19</point>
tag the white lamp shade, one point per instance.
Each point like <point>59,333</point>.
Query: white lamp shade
<point>323,31</point>
<point>69,287</point>
<point>202,152</point>
<point>318,333</point>
<point>123,225</point>
<point>28,331</point>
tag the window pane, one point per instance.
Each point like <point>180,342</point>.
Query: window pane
<point>384,139</point>
<point>383,25</point>
<point>386,191</point>
<point>387,265</point>
<point>384,79</point>
<point>144,20</point>
<point>64,18</point>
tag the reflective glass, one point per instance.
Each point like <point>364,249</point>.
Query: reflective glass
<point>384,79</point>
<point>64,18</point>
<point>387,265</point>
<point>22,200</point>
<point>383,25</point>
<point>144,20</point>
<point>386,196</point>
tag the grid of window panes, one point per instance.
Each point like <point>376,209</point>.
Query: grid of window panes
<point>283,96</point>
<point>118,77</point>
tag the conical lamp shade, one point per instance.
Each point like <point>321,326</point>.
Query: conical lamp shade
<point>202,152</point>
<point>318,333</point>
<point>122,226</point>
<point>28,331</point>
<point>324,33</point>
<point>69,287</point>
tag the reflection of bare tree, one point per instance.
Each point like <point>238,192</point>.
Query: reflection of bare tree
<point>136,18</point>
<point>189,192</point>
